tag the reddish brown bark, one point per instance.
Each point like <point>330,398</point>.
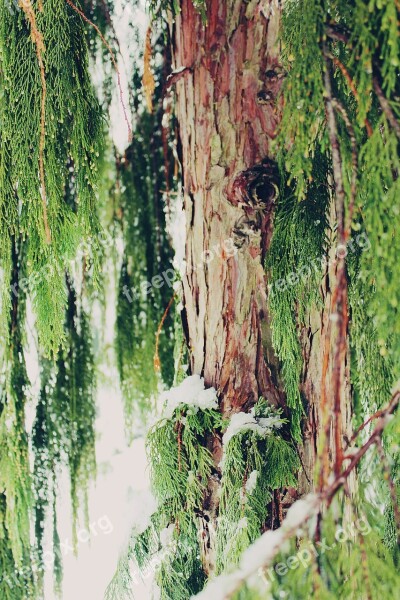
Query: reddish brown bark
<point>227,111</point>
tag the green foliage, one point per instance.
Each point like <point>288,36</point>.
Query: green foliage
<point>351,562</point>
<point>73,132</point>
<point>181,465</point>
<point>253,467</point>
<point>379,192</point>
<point>373,377</point>
<point>181,462</point>
<point>366,43</point>
<point>295,265</point>
<point>304,116</point>
<point>181,468</point>
<point>64,428</point>
<point>147,274</point>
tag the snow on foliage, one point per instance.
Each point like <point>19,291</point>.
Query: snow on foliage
<point>251,482</point>
<point>244,421</point>
<point>191,392</point>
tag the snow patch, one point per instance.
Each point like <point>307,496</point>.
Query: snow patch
<point>247,421</point>
<point>167,536</point>
<point>251,482</point>
<point>176,228</point>
<point>190,392</point>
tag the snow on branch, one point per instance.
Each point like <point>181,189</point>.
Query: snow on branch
<point>191,392</point>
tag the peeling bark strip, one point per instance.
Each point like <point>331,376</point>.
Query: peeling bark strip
<point>227,112</point>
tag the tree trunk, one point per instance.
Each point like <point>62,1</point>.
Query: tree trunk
<point>226,126</point>
<point>228,77</point>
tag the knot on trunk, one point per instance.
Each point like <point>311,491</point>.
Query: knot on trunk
<point>255,191</point>
<point>257,187</point>
<point>271,85</point>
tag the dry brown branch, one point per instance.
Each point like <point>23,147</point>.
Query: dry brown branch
<point>340,307</point>
<point>149,84</point>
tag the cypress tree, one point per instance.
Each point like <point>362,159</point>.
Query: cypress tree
<point>263,367</point>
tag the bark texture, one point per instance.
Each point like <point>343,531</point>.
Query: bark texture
<point>227,112</point>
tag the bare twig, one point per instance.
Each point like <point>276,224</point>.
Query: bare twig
<point>156,360</point>
<point>385,105</point>
<point>341,301</point>
<point>354,156</point>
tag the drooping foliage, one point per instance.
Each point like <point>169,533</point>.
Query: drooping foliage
<point>145,312</point>
<point>51,243</point>
<point>16,497</point>
<point>256,462</point>
<point>51,126</point>
<point>295,274</point>
<point>354,49</point>
<point>63,432</point>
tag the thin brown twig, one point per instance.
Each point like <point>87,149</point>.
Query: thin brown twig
<point>338,63</point>
<point>341,304</point>
<point>113,60</point>
<point>385,105</point>
<point>355,459</point>
<point>354,157</point>
<point>376,415</point>
<point>37,39</point>
<point>156,360</point>
<point>324,400</point>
